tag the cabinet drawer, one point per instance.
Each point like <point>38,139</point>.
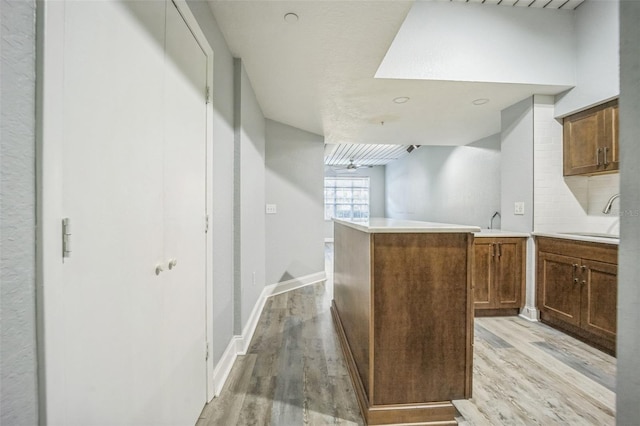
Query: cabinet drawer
<point>601,252</point>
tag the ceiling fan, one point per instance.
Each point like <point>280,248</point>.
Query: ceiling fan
<point>351,167</point>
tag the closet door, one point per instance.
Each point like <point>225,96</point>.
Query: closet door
<point>125,342</point>
<point>184,224</point>
<point>103,320</point>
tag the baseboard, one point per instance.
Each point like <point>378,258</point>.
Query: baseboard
<point>243,341</point>
<point>529,313</point>
<point>239,345</point>
<point>223,367</point>
<point>284,286</point>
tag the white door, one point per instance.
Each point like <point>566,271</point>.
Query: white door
<point>124,345</point>
<point>184,212</point>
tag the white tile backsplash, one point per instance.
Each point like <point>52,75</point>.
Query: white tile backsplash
<point>568,204</point>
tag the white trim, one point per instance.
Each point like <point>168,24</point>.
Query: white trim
<point>223,367</point>
<point>328,240</point>
<point>239,345</point>
<point>529,313</point>
<point>50,136</point>
<point>244,340</point>
<point>284,286</point>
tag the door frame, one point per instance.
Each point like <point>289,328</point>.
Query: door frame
<point>50,24</point>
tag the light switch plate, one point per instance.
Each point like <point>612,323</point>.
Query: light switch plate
<point>518,208</point>
<point>271,209</point>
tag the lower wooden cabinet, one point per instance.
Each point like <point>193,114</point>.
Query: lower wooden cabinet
<point>498,275</point>
<point>402,307</point>
<point>577,289</point>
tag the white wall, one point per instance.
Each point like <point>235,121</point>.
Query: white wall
<point>446,184</point>
<point>222,213</point>
<point>596,56</point>
<point>294,183</point>
<point>517,183</point>
<point>517,165</point>
<point>472,42</point>
<point>566,204</point>
<point>376,177</point>
<point>18,366</point>
<point>249,181</point>
<point>628,381</point>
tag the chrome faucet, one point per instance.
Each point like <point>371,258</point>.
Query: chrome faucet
<point>607,207</point>
<point>493,217</point>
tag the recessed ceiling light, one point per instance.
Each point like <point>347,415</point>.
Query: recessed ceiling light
<point>401,100</point>
<point>291,17</point>
<point>480,101</point>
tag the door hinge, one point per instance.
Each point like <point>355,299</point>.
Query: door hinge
<point>207,94</point>
<point>66,237</point>
<point>206,351</point>
<point>206,224</point>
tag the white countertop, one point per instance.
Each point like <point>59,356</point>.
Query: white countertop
<point>384,225</point>
<point>589,237</point>
<point>499,233</point>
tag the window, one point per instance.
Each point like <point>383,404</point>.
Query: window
<point>346,198</point>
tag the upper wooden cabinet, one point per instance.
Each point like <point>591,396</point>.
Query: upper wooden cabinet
<point>591,140</point>
<point>498,275</point>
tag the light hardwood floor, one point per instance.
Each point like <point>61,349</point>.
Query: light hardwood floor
<point>525,373</point>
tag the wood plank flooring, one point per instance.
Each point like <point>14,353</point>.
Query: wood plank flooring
<point>293,373</point>
<point>524,373</point>
<point>527,373</point>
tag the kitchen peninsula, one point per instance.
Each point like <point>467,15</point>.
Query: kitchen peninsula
<point>403,308</point>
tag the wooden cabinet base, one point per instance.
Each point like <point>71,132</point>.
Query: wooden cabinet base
<point>605,345</point>
<point>499,266</point>
<point>577,289</point>
<point>497,312</point>
<point>440,413</point>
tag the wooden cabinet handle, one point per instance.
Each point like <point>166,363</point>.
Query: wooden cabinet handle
<point>499,249</point>
<point>598,151</point>
<point>606,162</point>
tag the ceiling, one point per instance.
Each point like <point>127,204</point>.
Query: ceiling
<point>364,154</point>
<point>317,73</point>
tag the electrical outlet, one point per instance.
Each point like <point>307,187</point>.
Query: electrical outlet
<point>518,208</point>
<point>271,209</point>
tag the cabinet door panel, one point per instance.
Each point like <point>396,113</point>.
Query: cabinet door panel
<point>599,298</point>
<point>591,140</point>
<point>611,157</point>
<point>483,273</point>
<point>558,294</point>
<point>583,134</point>
<point>509,274</point>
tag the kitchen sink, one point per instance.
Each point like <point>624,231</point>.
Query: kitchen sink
<point>592,234</point>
